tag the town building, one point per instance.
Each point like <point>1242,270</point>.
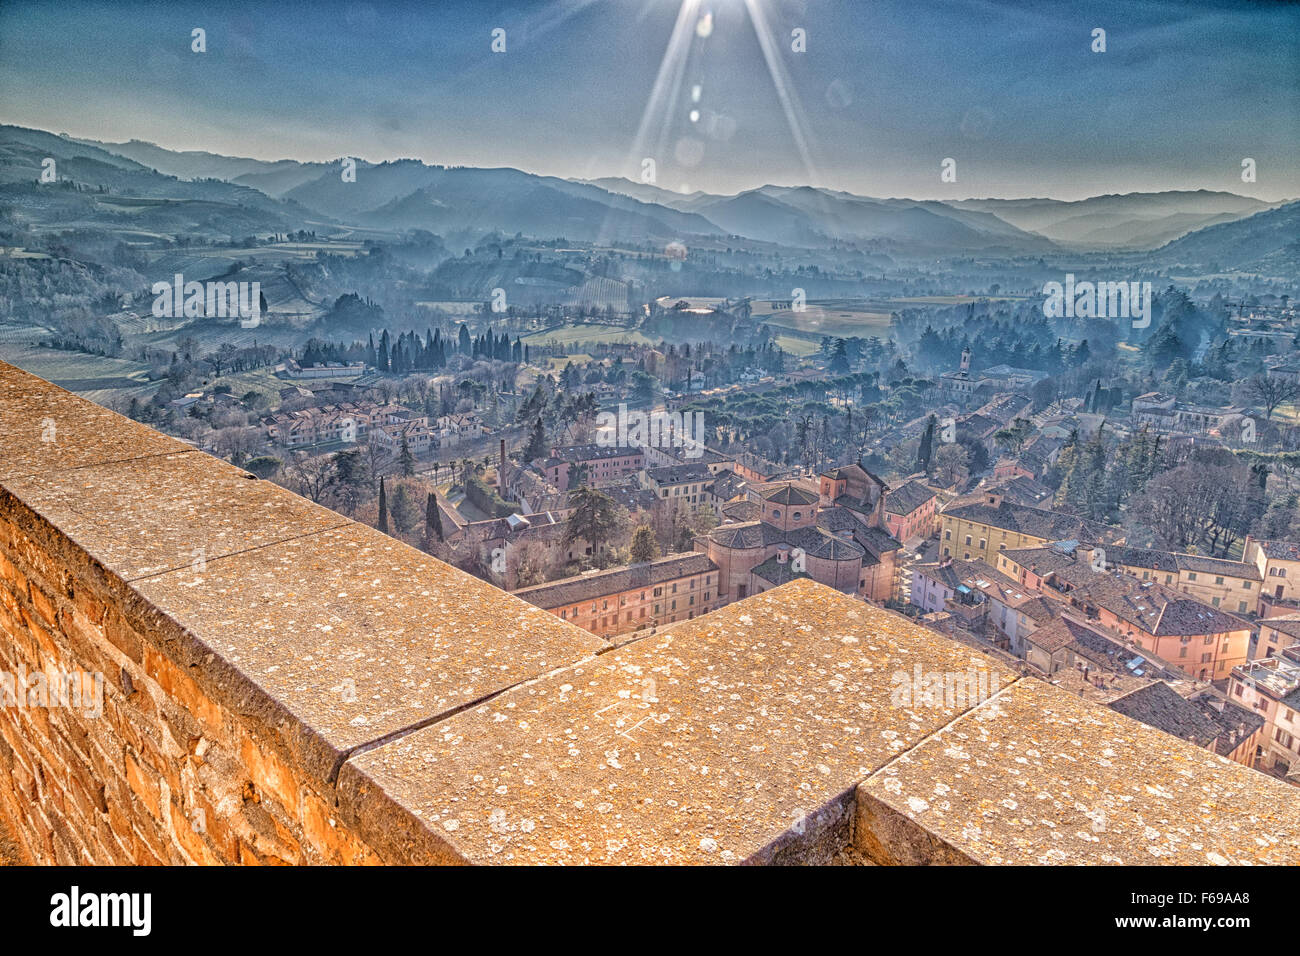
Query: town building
<point>1231,585</point>
<point>599,463</point>
<point>619,600</point>
<point>1162,413</point>
<point>980,596</point>
<point>836,537</point>
<point>979,530</point>
<point>1201,641</point>
<point>911,511</point>
<point>1278,563</point>
<point>1206,719</point>
<point>686,484</point>
<point>1271,688</point>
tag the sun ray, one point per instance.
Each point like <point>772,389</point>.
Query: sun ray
<point>785,91</point>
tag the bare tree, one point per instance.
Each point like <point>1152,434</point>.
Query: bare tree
<point>1199,505</point>
<point>311,476</point>
<point>378,456</point>
<point>1271,391</point>
<point>950,463</point>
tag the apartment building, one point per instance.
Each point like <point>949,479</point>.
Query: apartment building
<point>1271,688</point>
<point>686,484</point>
<point>911,511</point>
<point>1278,563</point>
<point>979,530</point>
<point>1231,585</point>
<point>1200,640</point>
<point>608,603</point>
<point>600,463</point>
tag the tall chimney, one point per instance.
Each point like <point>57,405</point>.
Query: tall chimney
<point>501,471</point>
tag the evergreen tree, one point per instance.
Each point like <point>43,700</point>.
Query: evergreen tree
<point>536,447</point>
<point>926,449</point>
<point>406,459</point>
<point>405,511</point>
<point>383,507</point>
<point>595,518</point>
<point>350,475</point>
<point>644,547</point>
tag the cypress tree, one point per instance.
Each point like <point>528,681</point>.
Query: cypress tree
<point>383,508</point>
<point>407,459</point>
<point>432,521</point>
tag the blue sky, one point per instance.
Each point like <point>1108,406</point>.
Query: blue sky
<point>884,92</point>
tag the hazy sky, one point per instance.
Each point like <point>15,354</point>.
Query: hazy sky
<point>885,91</point>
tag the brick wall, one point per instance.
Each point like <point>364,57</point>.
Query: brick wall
<point>167,773</point>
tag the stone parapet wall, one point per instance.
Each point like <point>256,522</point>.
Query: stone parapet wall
<point>283,685</point>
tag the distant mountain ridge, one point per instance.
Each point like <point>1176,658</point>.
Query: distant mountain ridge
<point>1267,242</point>
<point>406,194</point>
<point>158,201</point>
<point>1120,221</point>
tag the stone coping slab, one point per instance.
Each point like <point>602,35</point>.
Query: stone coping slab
<point>356,636</point>
<point>44,429</point>
<point>1038,776</point>
<point>148,515</point>
<point>737,737</point>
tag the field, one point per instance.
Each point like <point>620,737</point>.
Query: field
<point>570,334</point>
<point>953,299</point>
<point>99,379</point>
<point>837,320</point>
<point>557,362</point>
<point>796,346</point>
<point>256,380</point>
<point>846,317</point>
<point>451,308</point>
